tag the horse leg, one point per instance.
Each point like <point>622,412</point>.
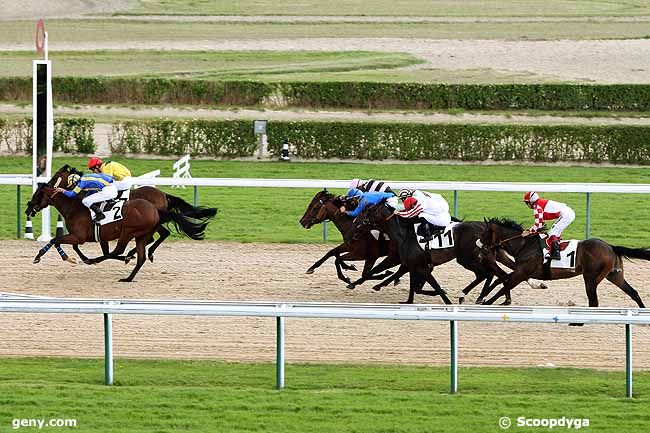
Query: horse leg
<point>513,281</point>
<point>373,274</point>
<point>466,290</point>
<point>400,272</point>
<point>437,290</point>
<point>80,254</point>
<point>163,234</point>
<point>333,252</point>
<point>140,245</point>
<point>56,242</point>
<point>617,278</point>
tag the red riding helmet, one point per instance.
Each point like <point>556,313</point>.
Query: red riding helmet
<point>409,203</point>
<point>531,197</point>
<point>94,162</point>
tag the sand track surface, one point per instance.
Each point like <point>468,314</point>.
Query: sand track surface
<point>233,271</point>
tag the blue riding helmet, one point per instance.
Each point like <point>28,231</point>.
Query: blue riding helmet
<point>353,192</point>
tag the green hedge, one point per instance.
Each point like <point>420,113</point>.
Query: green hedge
<point>227,139</point>
<point>344,95</point>
<point>71,135</point>
<point>404,141</point>
<point>616,144</point>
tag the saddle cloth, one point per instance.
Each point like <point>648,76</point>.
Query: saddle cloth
<point>112,209</point>
<point>568,250</point>
<point>441,240</point>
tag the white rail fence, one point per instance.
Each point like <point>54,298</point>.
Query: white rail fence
<point>283,310</point>
<point>586,188</point>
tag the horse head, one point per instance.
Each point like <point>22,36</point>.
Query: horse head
<point>497,231</point>
<point>313,214</point>
<point>40,200</point>
<point>371,217</point>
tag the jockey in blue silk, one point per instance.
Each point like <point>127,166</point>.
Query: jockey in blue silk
<point>365,199</point>
<point>98,188</point>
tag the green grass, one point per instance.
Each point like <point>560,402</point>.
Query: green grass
<point>438,8</point>
<point>219,65</point>
<point>272,214</point>
<point>73,32</point>
<point>206,396</point>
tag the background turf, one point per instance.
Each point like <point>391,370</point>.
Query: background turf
<point>272,214</point>
<point>205,396</point>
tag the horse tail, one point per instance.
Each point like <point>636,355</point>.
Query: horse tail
<point>193,228</point>
<point>179,205</point>
<point>632,253</point>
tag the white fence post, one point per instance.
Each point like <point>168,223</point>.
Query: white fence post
<point>182,170</point>
<point>279,367</point>
<point>108,349</point>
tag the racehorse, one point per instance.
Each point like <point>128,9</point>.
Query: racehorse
<point>159,199</point>
<point>326,206</point>
<point>140,221</point>
<point>414,259</point>
<point>595,260</point>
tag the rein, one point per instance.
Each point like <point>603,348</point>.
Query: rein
<point>503,241</point>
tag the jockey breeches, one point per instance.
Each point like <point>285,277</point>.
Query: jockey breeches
<point>566,217</point>
<point>123,184</point>
<point>440,219</point>
<point>107,193</point>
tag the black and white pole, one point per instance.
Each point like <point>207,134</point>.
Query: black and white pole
<point>29,230</point>
<point>284,153</point>
<point>59,227</point>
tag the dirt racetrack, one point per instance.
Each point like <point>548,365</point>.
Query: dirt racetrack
<point>233,271</point>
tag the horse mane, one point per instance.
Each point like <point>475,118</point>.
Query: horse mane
<point>506,223</point>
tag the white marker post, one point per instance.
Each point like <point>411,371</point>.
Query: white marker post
<point>42,120</point>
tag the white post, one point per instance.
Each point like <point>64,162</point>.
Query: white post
<point>108,349</point>
<point>49,136</point>
<point>279,367</point>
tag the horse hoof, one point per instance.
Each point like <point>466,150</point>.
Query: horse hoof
<point>151,258</point>
<point>352,268</point>
<point>125,280</point>
<point>71,260</point>
<point>576,324</point>
<point>543,286</point>
<point>506,303</point>
<point>396,282</point>
<point>37,260</point>
<point>350,286</point>
<point>88,262</point>
<point>479,301</point>
<point>461,300</point>
<point>376,288</point>
<point>309,271</point>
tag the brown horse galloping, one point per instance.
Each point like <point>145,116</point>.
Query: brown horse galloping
<point>159,199</point>
<point>140,221</point>
<point>326,206</point>
<point>595,260</point>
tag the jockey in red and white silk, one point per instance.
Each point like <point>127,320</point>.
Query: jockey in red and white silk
<point>431,210</point>
<point>545,210</point>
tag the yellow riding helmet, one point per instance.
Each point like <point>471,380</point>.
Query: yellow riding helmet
<point>73,179</point>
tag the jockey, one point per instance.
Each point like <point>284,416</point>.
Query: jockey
<point>366,199</point>
<point>370,185</point>
<point>549,210</point>
<point>120,174</point>
<point>431,209</point>
<point>98,187</point>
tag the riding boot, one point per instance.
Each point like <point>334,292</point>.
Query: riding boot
<point>99,215</point>
<point>555,250</point>
<point>425,230</point>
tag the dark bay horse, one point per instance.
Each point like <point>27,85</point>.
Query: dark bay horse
<point>326,206</point>
<point>595,260</point>
<point>414,259</point>
<point>158,198</point>
<point>140,221</point>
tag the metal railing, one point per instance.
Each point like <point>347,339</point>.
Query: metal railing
<point>283,310</point>
<point>586,188</point>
